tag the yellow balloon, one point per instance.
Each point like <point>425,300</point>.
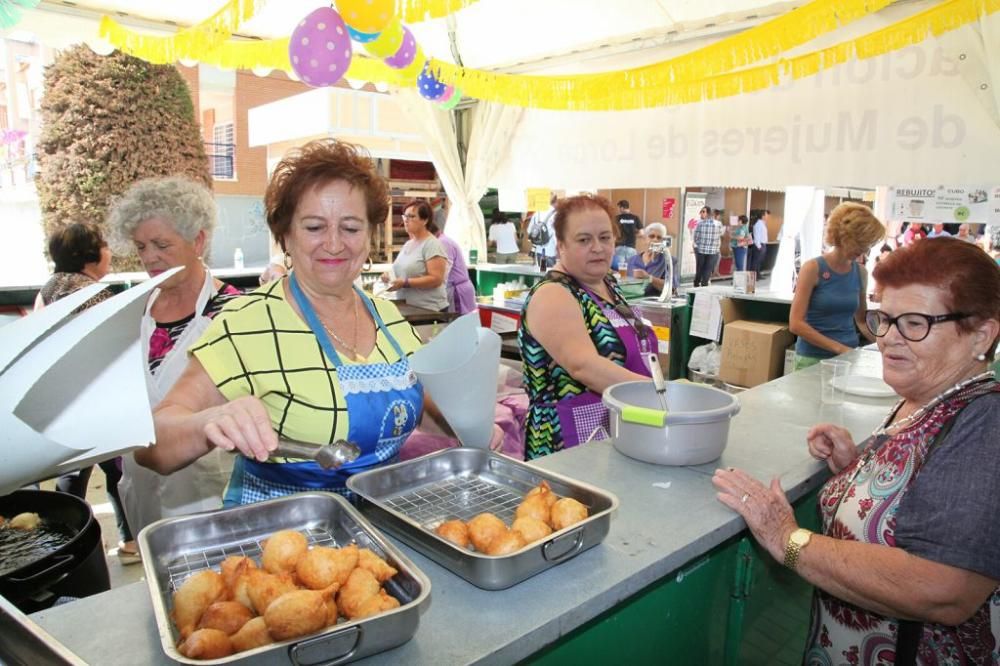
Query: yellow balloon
<point>388,41</point>
<point>366,15</point>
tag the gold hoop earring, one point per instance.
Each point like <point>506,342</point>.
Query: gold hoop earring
<point>367,266</point>
<point>288,261</point>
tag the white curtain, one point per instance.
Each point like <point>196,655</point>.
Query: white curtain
<point>803,217</point>
<point>491,136</point>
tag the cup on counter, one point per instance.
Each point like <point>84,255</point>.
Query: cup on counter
<point>833,374</point>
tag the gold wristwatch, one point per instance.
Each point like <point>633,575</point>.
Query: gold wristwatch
<point>797,540</point>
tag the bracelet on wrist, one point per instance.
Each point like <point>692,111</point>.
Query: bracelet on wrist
<point>406,282</point>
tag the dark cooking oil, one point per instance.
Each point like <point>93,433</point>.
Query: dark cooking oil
<point>22,547</point>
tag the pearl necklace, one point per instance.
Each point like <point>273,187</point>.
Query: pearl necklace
<point>937,400</point>
<point>357,320</point>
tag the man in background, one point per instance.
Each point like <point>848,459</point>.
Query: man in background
<point>542,234</point>
<point>758,249</point>
<point>938,231</point>
<point>629,226</point>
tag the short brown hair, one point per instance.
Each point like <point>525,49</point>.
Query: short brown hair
<point>580,202</point>
<point>853,223</point>
<point>74,246</point>
<point>318,163</point>
<point>969,276</point>
<point>424,212</point>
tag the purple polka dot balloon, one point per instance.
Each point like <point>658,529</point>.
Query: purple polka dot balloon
<point>320,48</point>
<point>428,86</point>
<point>406,52</point>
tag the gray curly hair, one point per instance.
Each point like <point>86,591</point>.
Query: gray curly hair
<point>188,206</point>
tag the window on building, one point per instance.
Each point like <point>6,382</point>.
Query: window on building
<point>222,151</point>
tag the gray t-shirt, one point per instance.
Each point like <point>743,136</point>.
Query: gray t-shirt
<point>950,514</point>
<point>411,262</point>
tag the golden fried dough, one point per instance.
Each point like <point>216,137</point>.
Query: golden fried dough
<point>226,616</point>
<point>331,612</point>
<point>252,635</point>
<point>321,567</point>
<point>483,528</point>
<point>382,570</point>
<point>505,543</point>
<point>454,531</point>
<point>533,506</point>
<point>24,521</point>
<point>375,604</point>
<point>566,512</point>
<point>263,588</point>
<point>196,594</point>
<point>360,585</point>
<point>296,614</point>
<point>282,551</point>
<point>544,491</point>
<point>531,529</point>
<point>234,567</point>
<point>206,644</point>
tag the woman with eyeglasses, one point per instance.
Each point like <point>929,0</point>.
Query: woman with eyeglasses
<point>578,335</point>
<point>652,263</point>
<point>907,568</point>
<point>422,264</point>
<point>828,309</point>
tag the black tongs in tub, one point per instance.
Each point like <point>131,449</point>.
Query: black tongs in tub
<point>327,456</point>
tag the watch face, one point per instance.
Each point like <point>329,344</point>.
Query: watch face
<point>800,537</point>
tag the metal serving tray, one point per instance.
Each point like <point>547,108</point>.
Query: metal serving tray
<point>175,548</point>
<point>410,499</point>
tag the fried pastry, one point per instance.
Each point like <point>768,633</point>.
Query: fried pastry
<point>566,512</point>
<point>233,567</point>
<point>283,550</point>
<point>454,531</point>
<point>24,521</point>
<point>353,595</point>
<point>226,616</point>
<point>483,528</point>
<point>206,644</point>
<point>263,588</point>
<point>531,529</point>
<point>545,491</point>
<point>382,570</point>
<point>196,594</point>
<point>295,614</point>
<point>505,543</point>
<point>375,604</point>
<point>321,567</point>
<point>252,635</point>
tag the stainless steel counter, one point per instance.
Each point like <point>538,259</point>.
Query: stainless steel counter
<point>667,519</point>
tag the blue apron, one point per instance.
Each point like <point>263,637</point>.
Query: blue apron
<point>384,401</point>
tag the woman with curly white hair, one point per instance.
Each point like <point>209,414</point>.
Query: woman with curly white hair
<point>168,222</point>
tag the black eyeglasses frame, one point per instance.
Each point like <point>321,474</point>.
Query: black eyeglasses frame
<point>931,320</point>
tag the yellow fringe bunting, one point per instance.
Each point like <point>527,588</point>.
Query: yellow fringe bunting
<point>636,88</point>
<point>415,11</point>
<point>190,43</point>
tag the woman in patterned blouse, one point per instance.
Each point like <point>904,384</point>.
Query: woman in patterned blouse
<point>578,336</point>
<point>168,222</point>
<point>907,567</point>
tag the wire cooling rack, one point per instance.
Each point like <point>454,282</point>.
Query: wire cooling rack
<point>183,567</point>
<point>456,497</point>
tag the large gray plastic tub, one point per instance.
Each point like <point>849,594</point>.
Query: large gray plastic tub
<point>697,425</point>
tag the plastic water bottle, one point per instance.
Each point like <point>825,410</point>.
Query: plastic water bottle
<point>238,258</point>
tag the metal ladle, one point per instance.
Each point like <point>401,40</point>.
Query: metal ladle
<point>658,383</point>
<point>327,456</point>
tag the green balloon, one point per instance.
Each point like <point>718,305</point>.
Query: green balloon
<point>453,101</point>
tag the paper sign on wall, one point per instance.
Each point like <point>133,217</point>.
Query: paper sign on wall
<point>668,207</point>
<point>538,198</point>
<point>706,316</point>
<point>945,204</point>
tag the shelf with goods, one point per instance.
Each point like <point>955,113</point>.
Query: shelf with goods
<point>408,181</point>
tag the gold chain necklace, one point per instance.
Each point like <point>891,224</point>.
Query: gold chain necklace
<point>886,426</point>
<point>357,322</point>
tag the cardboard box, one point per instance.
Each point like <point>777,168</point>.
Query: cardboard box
<point>753,352</point>
<point>744,282</point>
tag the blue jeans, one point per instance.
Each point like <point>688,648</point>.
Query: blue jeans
<point>740,258</point>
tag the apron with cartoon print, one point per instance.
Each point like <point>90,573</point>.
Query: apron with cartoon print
<point>384,401</point>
